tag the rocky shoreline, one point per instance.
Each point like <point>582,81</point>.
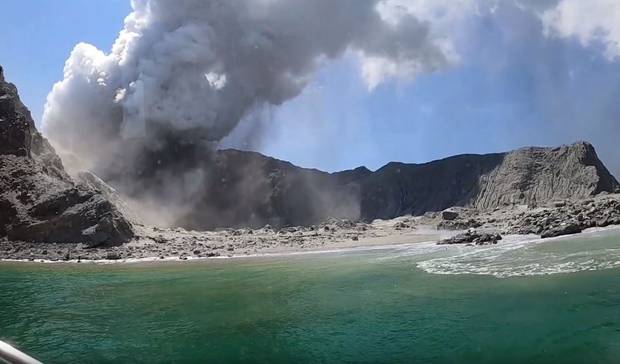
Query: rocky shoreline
<point>454,226</point>
<point>557,218</point>
<point>158,243</point>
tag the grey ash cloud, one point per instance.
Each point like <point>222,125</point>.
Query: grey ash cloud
<point>195,68</point>
<point>183,74</point>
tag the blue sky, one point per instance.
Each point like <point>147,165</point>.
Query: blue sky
<point>513,87</point>
<point>38,37</point>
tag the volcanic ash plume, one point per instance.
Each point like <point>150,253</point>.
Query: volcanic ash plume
<point>182,75</point>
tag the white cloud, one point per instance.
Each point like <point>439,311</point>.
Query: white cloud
<point>590,22</point>
<point>440,13</point>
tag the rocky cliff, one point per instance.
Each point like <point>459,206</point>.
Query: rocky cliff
<point>538,175</point>
<point>527,176</point>
<point>39,202</point>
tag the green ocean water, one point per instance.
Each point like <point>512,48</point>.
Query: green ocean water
<point>420,304</point>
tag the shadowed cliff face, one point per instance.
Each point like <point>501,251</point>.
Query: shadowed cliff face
<point>398,188</point>
<point>16,128</point>
<point>39,202</point>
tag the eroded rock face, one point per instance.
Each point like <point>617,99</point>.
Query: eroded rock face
<point>534,176</point>
<point>16,128</point>
<point>39,202</point>
<point>529,176</point>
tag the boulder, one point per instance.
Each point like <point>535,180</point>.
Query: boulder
<point>472,237</point>
<point>568,228</point>
<point>449,215</point>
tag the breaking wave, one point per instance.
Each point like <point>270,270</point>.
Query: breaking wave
<point>516,256</point>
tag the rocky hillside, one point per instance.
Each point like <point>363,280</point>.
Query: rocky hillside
<point>401,189</point>
<point>39,202</point>
<point>249,189</point>
<point>538,175</point>
<point>528,176</point>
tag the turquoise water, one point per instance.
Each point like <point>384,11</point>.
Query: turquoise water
<point>360,307</point>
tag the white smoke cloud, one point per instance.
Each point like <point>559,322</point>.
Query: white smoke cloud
<point>197,67</point>
<point>449,17</point>
<point>590,22</point>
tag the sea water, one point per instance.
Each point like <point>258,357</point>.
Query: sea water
<point>554,301</point>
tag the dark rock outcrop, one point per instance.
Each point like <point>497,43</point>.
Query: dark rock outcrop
<point>449,214</point>
<point>565,228</point>
<point>472,237</point>
<point>39,202</point>
<point>16,125</point>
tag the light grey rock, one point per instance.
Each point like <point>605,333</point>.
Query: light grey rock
<point>93,182</point>
<point>539,175</point>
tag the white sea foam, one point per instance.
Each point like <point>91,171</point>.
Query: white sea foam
<point>593,250</point>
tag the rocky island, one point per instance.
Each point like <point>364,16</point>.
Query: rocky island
<point>46,214</point>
